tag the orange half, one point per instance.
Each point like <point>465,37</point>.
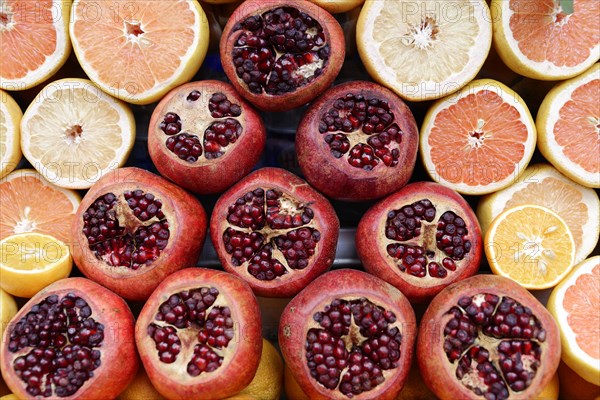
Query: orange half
<point>34,41</point>
<point>139,50</point>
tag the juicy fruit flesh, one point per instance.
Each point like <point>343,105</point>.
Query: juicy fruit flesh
<point>279,51</point>
<point>224,131</point>
<point>65,346</point>
<point>356,341</point>
<point>364,129</point>
<point>494,343</point>
<point>270,233</point>
<point>192,317</point>
<point>129,230</point>
<point>426,248</point>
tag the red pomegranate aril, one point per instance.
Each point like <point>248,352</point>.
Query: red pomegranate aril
<point>186,335</point>
<point>366,136</point>
<point>423,231</point>
<point>61,345</point>
<point>467,346</point>
<point>275,231</point>
<point>348,335</point>
<point>279,55</point>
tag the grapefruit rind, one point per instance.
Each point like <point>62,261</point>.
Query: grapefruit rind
<point>509,97</point>
<point>461,66</point>
<point>508,48</point>
<point>547,117</point>
<point>75,170</point>
<point>60,17</point>
<point>10,141</point>
<point>588,229</point>
<point>190,61</point>
<point>578,360</point>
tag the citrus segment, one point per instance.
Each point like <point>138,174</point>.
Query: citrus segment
<point>531,245</point>
<point>543,185</point>
<point>478,140</point>
<point>73,133</point>
<point>137,51</point>
<point>10,146</point>
<point>424,49</point>
<point>31,261</point>
<point>575,303</point>
<point>540,39</point>
<point>32,204</point>
<point>568,124</point>
<point>34,41</point>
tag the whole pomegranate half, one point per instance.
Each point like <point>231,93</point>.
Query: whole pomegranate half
<point>486,337</point>
<point>134,228</point>
<point>199,335</point>
<point>420,239</point>
<point>275,231</point>
<point>204,136</point>
<point>348,335</point>
<point>73,340</point>
<point>280,54</point>
<point>358,141</point>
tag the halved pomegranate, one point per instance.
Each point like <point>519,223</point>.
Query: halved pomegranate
<point>134,228</point>
<point>420,239</point>
<point>199,335</point>
<point>72,340</point>
<point>348,335</point>
<point>486,337</point>
<point>357,142</point>
<point>280,54</point>
<point>275,231</point>
<point>205,137</point>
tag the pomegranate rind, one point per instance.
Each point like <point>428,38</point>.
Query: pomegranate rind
<point>584,364</point>
<point>297,318</point>
<point>433,362</point>
<point>325,218</point>
<point>208,176</point>
<point>334,35</point>
<point>187,224</point>
<point>371,241</point>
<point>119,356</point>
<point>335,177</point>
<point>237,371</point>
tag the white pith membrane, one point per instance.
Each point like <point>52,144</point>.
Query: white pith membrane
<point>422,248</point>
<point>7,145</point>
<point>188,337</point>
<point>588,269</point>
<point>196,118</point>
<point>562,20</point>
<point>484,324</point>
<point>425,49</point>
<point>353,339</point>
<point>554,150</point>
<point>285,207</point>
<point>73,133</point>
<point>483,133</point>
<point>70,374</point>
<point>57,15</point>
<point>135,33</point>
<point>577,205</point>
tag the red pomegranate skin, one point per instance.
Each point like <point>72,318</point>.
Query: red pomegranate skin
<point>332,35</point>
<point>119,359</point>
<point>372,241</point>
<point>242,354</point>
<point>214,175</point>
<point>325,221</point>
<point>333,175</point>
<point>187,226</point>
<point>348,284</point>
<point>436,369</point>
